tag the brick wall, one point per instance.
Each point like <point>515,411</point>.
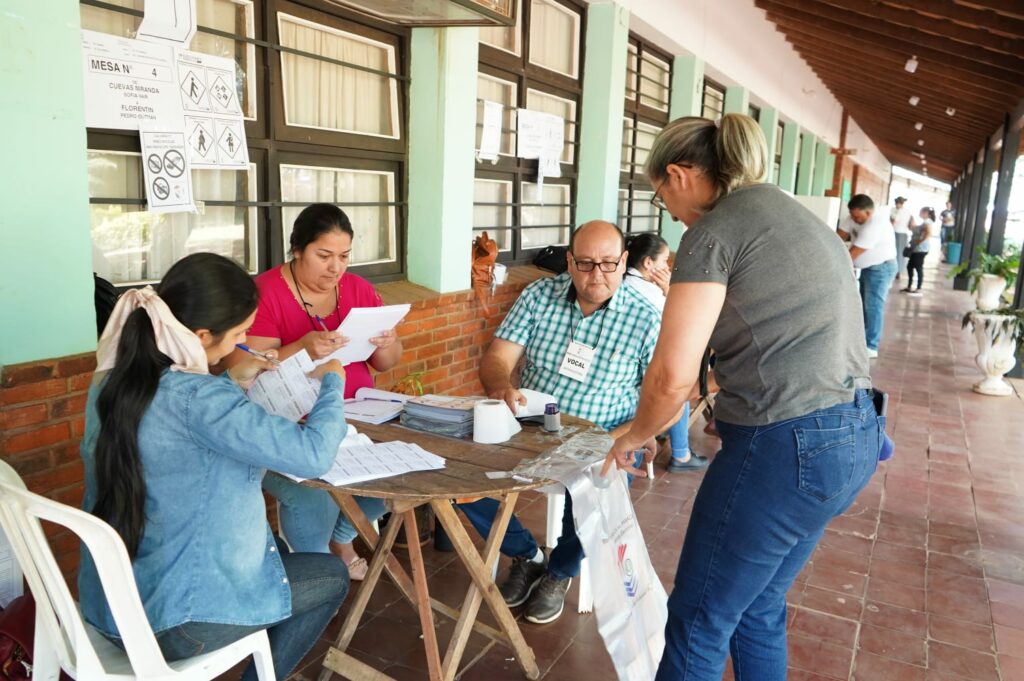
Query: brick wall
<point>42,403</point>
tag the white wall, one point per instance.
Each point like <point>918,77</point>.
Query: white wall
<point>740,46</point>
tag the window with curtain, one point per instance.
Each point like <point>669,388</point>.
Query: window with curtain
<point>713,103</point>
<point>332,132</point>
<point>648,79</point>
<point>780,130</point>
<point>534,65</point>
<point>132,245</point>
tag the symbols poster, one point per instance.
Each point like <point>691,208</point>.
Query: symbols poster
<point>166,172</point>
<point>214,123</point>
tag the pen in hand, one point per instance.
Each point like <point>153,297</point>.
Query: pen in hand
<point>254,353</point>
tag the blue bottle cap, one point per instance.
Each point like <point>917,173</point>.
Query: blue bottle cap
<point>551,408</point>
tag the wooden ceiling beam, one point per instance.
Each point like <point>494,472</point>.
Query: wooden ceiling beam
<point>1011,8</point>
<point>987,19</point>
<point>941,28</point>
<point>904,127</point>
<point>940,72</point>
<point>928,111</point>
<point>855,70</point>
<point>856,28</point>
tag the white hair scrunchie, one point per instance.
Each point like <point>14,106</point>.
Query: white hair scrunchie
<point>173,338</point>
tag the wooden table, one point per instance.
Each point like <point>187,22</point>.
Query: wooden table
<point>463,476</point>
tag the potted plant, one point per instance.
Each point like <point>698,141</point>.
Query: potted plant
<point>1000,335</point>
<point>993,275</point>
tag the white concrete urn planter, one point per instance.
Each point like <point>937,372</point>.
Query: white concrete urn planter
<point>989,291</point>
<point>996,349</point>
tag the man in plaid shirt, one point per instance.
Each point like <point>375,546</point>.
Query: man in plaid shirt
<point>587,341</point>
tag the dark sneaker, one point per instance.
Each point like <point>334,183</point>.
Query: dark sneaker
<point>694,463</point>
<point>548,600</point>
<point>523,576</point>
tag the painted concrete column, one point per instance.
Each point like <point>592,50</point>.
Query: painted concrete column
<point>442,136</point>
<point>46,289</point>
<point>685,100</point>
<point>737,100</point>
<point>604,96</point>
<point>769,122</point>
<point>821,180</point>
<point>787,167</point>
<point>806,171</point>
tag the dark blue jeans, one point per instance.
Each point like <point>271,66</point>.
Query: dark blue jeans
<point>319,583</point>
<point>565,558</point>
<point>760,511</point>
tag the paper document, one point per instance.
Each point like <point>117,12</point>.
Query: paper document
<point>490,135</point>
<point>362,324</point>
<point>370,462</point>
<point>535,403</point>
<point>168,21</point>
<point>168,178</point>
<point>287,392</point>
<point>384,395</point>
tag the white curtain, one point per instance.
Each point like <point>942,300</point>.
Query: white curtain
<point>486,217</point>
<point>374,226</point>
<point>506,38</point>
<point>554,37</point>
<point>654,87</point>
<point>632,69</point>
<point>544,215</point>
<point>564,109</point>
<point>501,91</point>
<point>109,21</point>
<point>645,216</point>
<point>230,16</point>
<point>645,136</point>
<point>623,209</point>
<point>320,94</point>
<point>134,245</point>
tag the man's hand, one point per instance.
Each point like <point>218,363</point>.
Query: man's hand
<point>623,455</point>
<point>510,396</point>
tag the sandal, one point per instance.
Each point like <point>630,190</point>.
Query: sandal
<point>357,569</point>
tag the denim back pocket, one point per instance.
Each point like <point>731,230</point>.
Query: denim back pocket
<point>827,458</point>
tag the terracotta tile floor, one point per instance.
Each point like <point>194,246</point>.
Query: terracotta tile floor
<point>922,580</point>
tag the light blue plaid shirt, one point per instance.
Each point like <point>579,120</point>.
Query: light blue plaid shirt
<point>623,334</point>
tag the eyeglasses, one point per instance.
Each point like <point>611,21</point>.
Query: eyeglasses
<point>606,266</point>
<point>656,200</point>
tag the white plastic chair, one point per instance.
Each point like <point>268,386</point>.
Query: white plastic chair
<point>62,638</point>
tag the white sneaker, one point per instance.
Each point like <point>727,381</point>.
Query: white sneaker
<point>872,353</point>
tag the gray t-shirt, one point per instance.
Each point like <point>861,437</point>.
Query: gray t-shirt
<point>790,337</point>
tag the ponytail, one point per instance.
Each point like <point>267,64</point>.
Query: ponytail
<point>731,153</point>
<point>643,245</point>
<point>124,399</point>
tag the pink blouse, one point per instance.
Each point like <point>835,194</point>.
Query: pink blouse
<point>281,316</point>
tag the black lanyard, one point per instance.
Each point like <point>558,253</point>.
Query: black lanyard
<point>306,306</point>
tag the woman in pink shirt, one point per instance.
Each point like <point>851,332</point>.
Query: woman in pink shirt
<point>301,303</point>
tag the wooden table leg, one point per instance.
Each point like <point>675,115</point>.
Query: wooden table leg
<point>419,577</point>
<point>336,660</point>
<point>481,576</point>
<point>471,604</point>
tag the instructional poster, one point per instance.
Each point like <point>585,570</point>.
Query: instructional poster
<point>128,83</point>
<point>166,172</point>
<point>214,123</point>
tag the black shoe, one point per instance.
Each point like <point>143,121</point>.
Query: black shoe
<point>905,290</point>
<point>548,600</point>
<point>523,576</point>
<point>694,463</point>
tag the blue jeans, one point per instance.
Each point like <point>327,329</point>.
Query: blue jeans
<point>319,583</point>
<point>564,561</point>
<point>874,289</point>
<point>760,511</point>
<point>679,434</point>
<point>310,517</point>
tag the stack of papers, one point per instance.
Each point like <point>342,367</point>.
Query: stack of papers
<point>374,406</point>
<point>371,462</point>
<point>442,408</point>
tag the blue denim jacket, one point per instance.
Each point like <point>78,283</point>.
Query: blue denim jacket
<point>207,553</point>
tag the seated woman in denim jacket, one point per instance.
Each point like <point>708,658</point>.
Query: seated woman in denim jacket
<point>174,458</point>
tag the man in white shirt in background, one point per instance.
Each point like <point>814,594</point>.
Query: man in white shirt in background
<point>873,249</point>
<point>902,221</point>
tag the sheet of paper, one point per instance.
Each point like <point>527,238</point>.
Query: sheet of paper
<point>287,392</point>
<point>11,584</point>
<point>168,178</point>
<point>384,460</point>
<point>387,396</point>
<point>535,403</point>
<point>490,134</point>
<point>362,324</point>
<point>372,411</point>
<point>214,122</point>
<point>168,21</point>
<point>128,82</point>
<point>539,134</point>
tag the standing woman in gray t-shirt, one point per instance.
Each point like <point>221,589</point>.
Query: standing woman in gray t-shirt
<point>800,437</point>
